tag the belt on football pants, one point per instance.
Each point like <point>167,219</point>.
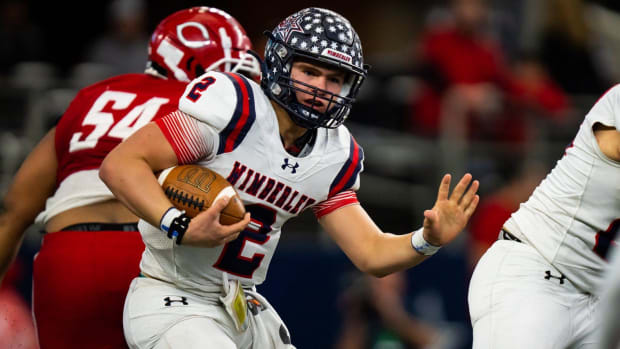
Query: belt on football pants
<point>506,235</point>
<point>102,227</point>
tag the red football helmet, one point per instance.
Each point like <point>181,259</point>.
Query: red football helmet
<point>190,42</point>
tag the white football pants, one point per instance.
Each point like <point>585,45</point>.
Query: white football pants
<point>518,300</point>
<point>160,316</point>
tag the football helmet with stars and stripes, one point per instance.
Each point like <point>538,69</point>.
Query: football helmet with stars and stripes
<point>321,37</point>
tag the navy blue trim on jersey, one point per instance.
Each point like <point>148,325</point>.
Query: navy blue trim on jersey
<point>243,117</point>
<point>350,170</point>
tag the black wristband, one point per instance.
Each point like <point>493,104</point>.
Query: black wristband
<point>178,227</point>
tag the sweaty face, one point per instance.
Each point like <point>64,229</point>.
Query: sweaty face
<point>317,80</point>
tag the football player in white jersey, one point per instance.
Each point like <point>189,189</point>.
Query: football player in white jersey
<point>539,284</point>
<point>284,148</point>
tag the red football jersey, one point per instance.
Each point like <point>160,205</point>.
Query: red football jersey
<point>99,118</point>
<point>104,114</point>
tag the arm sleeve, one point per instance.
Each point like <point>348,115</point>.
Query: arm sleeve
<point>342,199</point>
<point>191,139</point>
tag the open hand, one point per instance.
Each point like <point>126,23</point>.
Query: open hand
<point>451,212</point>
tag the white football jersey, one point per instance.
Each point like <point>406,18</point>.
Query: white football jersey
<point>242,129</point>
<point>574,214</point>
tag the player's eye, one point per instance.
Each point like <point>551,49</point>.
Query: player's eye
<point>337,80</point>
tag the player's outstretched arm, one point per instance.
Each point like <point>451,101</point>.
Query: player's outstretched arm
<point>33,183</point>
<point>378,253</point>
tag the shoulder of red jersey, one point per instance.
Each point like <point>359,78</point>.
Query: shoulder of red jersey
<point>225,101</point>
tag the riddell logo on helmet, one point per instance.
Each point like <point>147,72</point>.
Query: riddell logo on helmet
<point>336,54</point>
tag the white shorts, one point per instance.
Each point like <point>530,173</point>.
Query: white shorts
<point>518,300</point>
<point>159,315</point>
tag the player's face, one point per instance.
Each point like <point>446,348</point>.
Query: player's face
<point>322,79</point>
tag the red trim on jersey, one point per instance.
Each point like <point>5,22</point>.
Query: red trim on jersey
<point>353,168</point>
<point>183,134</point>
<point>345,198</point>
<point>245,112</point>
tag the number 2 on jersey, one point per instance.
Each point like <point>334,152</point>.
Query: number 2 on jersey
<point>137,117</point>
<point>237,257</point>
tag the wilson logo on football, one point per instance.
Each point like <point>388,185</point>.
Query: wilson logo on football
<point>197,178</point>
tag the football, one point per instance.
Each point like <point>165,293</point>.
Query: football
<point>195,188</point>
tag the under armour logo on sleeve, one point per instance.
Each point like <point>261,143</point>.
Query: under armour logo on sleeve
<point>286,165</point>
<point>177,299</point>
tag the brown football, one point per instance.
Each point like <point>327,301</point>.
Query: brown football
<point>195,188</point>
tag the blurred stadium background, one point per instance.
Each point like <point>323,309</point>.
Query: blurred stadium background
<point>538,67</point>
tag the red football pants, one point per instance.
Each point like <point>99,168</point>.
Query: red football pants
<point>80,280</point>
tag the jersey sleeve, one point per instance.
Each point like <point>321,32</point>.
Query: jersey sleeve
<point>607,109</point>
<point>225,102</point>
<point>348,178</point>
<point>191,139</point>
<point>337,201</point>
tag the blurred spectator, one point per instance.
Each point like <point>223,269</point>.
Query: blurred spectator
<point>467,80</point>
<point>375,317</point>
<point>16,324</point>
<point>20,39</point>
<point>568,49</point>
<point>517,180</point>
<point>123,47</point>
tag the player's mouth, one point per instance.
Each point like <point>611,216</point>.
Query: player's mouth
<point>314,103</point>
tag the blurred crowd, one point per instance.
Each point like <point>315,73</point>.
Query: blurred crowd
<point>491,84</point>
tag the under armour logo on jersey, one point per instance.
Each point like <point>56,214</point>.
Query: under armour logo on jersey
<point>291,166</point>
<point>549,276</point>
<point>177,299</point>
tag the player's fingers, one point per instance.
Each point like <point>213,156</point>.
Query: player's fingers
<point>430,215</point>
<point>469,210</point>
<point>239,226</point>
<point>219,204</point>
<point>469,195</point>
<point>459,189</point>
<point>444,187</point>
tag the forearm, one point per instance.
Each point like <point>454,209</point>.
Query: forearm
<point>33,183</point>
<point>389,253</point>
<point>136,187</point>
<point>11,236</point>
<point>371,250</point>
<point>129,169</point>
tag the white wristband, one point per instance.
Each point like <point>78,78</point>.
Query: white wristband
<point>168,217</point>
<point>421,245</point>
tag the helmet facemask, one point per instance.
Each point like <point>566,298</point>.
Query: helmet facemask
<point>280,56</point>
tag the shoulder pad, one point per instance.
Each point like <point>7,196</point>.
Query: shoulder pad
<point>217,98</point>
